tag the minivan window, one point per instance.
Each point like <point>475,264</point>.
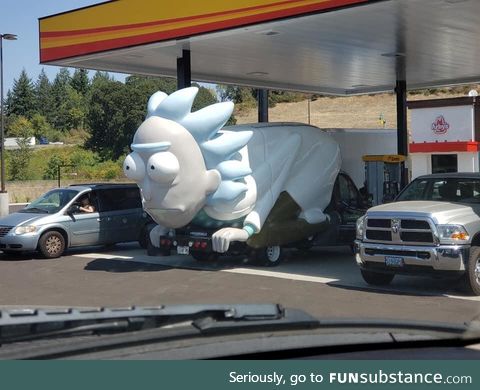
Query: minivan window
<point>51,202</point>
<point>119,199</point>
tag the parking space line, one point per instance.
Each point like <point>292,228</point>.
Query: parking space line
<point>280,275</point>
<point>103,256</point>
<point>466,298</point>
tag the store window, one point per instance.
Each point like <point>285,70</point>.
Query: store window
<point>442,163</point>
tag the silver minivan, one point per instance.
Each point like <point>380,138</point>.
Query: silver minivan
<point>58,219</point>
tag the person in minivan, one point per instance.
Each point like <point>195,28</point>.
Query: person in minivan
<point>86,206</point>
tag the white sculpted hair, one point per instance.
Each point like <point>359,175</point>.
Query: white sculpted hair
<point>219,148</point>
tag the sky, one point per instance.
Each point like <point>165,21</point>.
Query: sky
<point>20,17</point>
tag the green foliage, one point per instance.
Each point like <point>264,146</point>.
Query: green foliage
<point>21,101</point>
<point>112,119</point>
<point>275,97</point>
<point>116,110</point>
<point>80,82</point>
<point>84,162</point>
<point>20,127</point>
<point>70,108</point>
<point>243,96</point>
<point>205,97</point>
<point>246,98</point>
<point>19,162</point>
<point>106,170</point>
<point>43,96</point>
<point>41,128</point>
<point>75,136</point>
<point>100,77</point>
<point>51,170</point>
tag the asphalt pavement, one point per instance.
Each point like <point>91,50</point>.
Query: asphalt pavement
<point>324,282</point>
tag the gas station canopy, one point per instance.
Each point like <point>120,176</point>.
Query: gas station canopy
<point>338,47</point>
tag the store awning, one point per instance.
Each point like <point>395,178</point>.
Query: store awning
<point>325,46</point>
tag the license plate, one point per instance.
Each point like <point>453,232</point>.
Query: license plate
<point>394,261</point>
<point>183,250</point>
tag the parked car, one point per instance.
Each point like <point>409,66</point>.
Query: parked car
<point>59,219</point>
<point>433,227</point>
<point>346,205</point>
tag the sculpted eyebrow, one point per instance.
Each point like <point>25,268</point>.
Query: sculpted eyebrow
<point>151,147</point>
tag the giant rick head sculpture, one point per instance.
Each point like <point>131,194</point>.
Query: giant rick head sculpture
<point>190,170</point>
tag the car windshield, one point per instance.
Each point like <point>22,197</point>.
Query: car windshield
<point>51,202</point>
<point>455,190</point>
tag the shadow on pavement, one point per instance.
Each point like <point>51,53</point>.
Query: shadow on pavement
<point>448,286</point>
<point>115,265</point>
<point>21,257</point>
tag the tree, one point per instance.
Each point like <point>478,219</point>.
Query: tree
<point>74,109</point>
<point>21,101</point>
<point>52,167</point>
<point>109,127</point>
<point>100,77</point>
<point>41,128</point>
<point>116,110</point>
<point>20,157</point>
<point>80,82</point>
<point>60,97</point>
<point>244,96</point>
<point>43,95</point>
<point>205,97</point>
<point>70,105</point>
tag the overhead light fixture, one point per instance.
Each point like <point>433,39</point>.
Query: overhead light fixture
<point>393,54</point>
<point>257,73</point>
<point>268,32</point>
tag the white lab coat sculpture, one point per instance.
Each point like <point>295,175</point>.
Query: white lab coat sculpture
<point>189,169</point>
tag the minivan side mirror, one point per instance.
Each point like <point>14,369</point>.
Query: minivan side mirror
<point>75,208</point>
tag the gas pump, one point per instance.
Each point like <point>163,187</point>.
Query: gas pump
<point>383,177</point>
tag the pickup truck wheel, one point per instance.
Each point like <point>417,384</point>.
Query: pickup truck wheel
<point>377,278</point>
<point>51,244</point>
<point>472,274</point>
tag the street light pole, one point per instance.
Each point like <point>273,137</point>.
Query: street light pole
<point>3,193</point>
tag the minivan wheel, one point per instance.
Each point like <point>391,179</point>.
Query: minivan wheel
<point>471,279</point>
<point>51,244</point>
<point>377,278</point>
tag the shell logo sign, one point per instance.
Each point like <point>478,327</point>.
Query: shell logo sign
<point>440,125</point>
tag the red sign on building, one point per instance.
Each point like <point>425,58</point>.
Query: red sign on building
<point>440,125</point>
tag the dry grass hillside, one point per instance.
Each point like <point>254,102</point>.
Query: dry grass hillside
<point>340,112</point>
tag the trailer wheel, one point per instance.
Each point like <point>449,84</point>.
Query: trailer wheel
<point>204,256</point>
<point>271,256</point>
<point>377,278</point>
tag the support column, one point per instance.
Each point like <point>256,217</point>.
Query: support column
<point>263,105</point>
<point>184,70</point>
<point>402,132</point>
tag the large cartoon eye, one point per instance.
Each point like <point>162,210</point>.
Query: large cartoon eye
<point>163,167</point>
<point>134,167</point>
